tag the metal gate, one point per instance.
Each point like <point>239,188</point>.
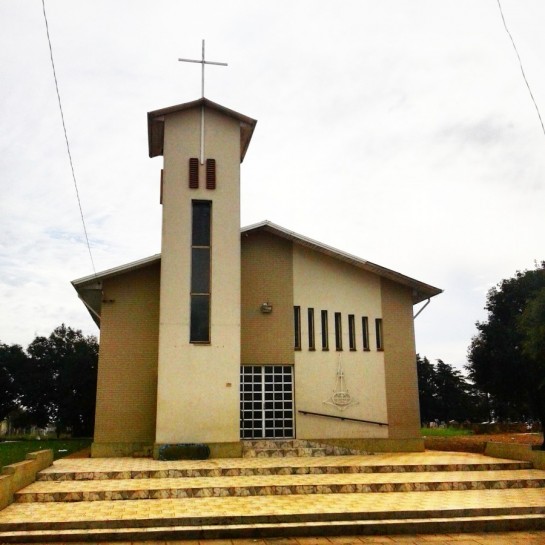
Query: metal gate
<point>266,402</point>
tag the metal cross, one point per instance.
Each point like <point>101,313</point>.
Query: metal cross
<point>202,62</point>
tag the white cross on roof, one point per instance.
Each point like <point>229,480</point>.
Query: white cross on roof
<point>202,62</point>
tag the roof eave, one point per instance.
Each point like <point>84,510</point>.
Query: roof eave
<point>421,290</point>
<point>156,124</point>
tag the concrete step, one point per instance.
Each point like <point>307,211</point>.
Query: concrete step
<point>511,523</point>
<point>263,485</point>
<point>285,448</point>
<point>150,469</point>
<point>478,510</point>
<point>267,497</point>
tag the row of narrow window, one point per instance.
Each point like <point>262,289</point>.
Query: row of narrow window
<point>194,173</point>
<point>338,323</point>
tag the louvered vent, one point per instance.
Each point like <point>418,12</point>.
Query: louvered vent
<point>210,174</point>
<point>193,173</point>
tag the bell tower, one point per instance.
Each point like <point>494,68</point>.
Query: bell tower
<point>203,145</point>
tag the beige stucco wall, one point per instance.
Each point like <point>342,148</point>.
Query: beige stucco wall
<point>324,283</point>
<point>400,361</point>
<point>267,276</point>
<point>198,385</point>
<point>127,368</point>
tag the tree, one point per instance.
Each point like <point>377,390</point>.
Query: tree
<point>502,357</point>
<point>66,363</point>
<point>12,360</point>
<point>453,393</point>
<point>445,394</point>
<point>427,389</point>
<point>531,326</point>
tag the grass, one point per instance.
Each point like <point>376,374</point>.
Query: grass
<point>11,452</point>
<point>444,432</point>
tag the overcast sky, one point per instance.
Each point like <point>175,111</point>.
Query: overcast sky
<point>400,131</point>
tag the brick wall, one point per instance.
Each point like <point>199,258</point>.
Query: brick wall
<point>127,369</point>
<point>267,276</point>
<point>400,361</point>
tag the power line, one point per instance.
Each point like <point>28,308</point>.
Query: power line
<point>66,139</point>
<point>521,68</point>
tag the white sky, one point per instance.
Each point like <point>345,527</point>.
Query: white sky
<point>400,131</point>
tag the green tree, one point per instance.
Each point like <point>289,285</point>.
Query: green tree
<point>66,361</point>
<point>531,326</point>
<point>445,393</point>
<point>427,389</point>
<point>454,394</point>
<point>12,362</point>
<point>501,356</point>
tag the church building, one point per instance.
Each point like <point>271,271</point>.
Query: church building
<point>236,334</point>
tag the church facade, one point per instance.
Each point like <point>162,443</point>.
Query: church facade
<point>235,334</point>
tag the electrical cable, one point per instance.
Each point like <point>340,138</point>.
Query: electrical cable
<point>66,139</point>
<point>521,68</point>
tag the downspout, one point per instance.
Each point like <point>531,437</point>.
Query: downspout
<point>427,303</point>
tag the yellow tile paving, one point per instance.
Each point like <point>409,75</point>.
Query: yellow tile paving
<point>238,507</point>
<point>145,464</point>
<point>271,505</point>
<point>281,480</point>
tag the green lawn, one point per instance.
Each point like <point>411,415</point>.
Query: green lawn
<point>443,432</point>
<point>11,452</point>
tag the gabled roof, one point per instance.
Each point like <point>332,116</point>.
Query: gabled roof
<point>156,124</point>
<point>421,291</point>
<point>89,288</point>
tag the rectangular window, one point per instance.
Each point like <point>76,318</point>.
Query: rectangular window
<point>338,331</point>
<point>199,331</point>
<point>365,332</point>
<point>297,328</point>
<point>378,327</point>
<point>311,345</point>
<point>325,331</point>
<point>352,332</point>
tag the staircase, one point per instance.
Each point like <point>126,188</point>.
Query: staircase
<point>288,448</point>
<point>266,494</point>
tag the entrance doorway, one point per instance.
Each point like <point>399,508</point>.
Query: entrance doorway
<point>266,402</point>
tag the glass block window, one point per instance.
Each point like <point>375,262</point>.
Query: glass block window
<point>266,402</point>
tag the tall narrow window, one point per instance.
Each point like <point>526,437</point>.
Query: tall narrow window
<point>161,189</point>
<point>200,272</point>
<point>311,345</point>
<point>297,328</point>
<point>325,331</point>
<point>365,332</point>
<point>338,331</point>
<point>210,174</point>
<point>193,173</point>
<point>378,327</point>
<point>352,332</point>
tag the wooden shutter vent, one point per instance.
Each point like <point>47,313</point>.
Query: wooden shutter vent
<point>210,174</point>
<point>193,173</point>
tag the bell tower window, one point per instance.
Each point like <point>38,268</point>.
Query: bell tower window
<point>200,271</point>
